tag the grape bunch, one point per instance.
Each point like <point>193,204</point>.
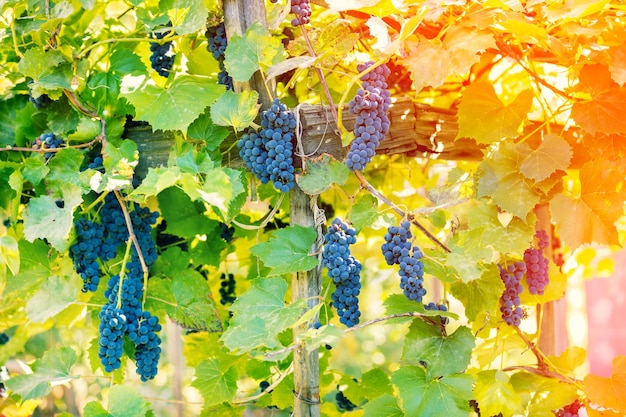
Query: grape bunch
<point>113,326</point>
<point>268,152</point>
<point>570,410</point>
<point>147,345</point>
<point>40,101</point>
<point>216,35</point>
<point>86,251</point>
<point>511,275</point>
<point>370,105</point>
<point>47,141</point>
<point>537,265</point>
<point>4,339</point>
<point>302,10</point>
<point>162,57</point>
<point>343,403</point>
<point>344,270</point>
<point>398,251</point>
<point>226,232</point>
<point>227,289</point>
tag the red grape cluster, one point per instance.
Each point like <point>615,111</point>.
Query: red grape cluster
<point>537,264</point>
<point>511,275</point>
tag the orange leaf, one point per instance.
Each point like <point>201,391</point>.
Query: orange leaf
<point>554,153</point>
<point>484,117</point>
<point>618,64</point>
<point>609,392</point>
<point>591,216</point>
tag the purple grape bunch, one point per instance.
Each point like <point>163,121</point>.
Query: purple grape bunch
<point>511,275</point>
<point>537,265</point>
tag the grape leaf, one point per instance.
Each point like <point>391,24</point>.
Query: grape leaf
<point>542,395</point>
<point>570,359</point>
<point>125,61</point>
<point>235,109</point>
<point>480,295</point>
<point>53,297</point>
<point>52,369</point>
<point>373,384</point>
<point>591,216</point>
<point>364,212</point>
<point>494,394</point>
<point>185,99</point>
<point>256,49</point>
<point>383,406</point>
<point>184,217</point>
<point>484,117</point>
<point>321,173</point>
<point>609,392</point>
<point>424,344</point>
<point>10,254</point>
<point>288,250</point>
<point>123,401</point>
<point>43,218</point>
<point>554,153</point>
<point>425,397</point>
<point>217,383</point>
<point>157,180</point>
<point>259,315</point>
<point>617,64</point>
<point>204,129</point>
<point>64,166</point>
<point>36,62</point>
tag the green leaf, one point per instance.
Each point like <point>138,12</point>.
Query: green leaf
<point>481,295</point>
<point>45,220</point>
<point>288,250</point>
<point>126,62</point>
<point>185,99</point>
<point>424,397</point>
<point>364,212</point>
<point>256,49</point>
<point>321,173</point>
<point>10,254</point>
<point>541,395</point>
<point>424,344</point>
<point>374,383</point>
<point>157,180</point>
<point>259,315</point>
<point>195,307</point>
<point>54,296</point>
<point>124,401</point>
<point>215,382</point>
<point>554,153</point>
<point>35,169</point>
<point>52,369</point>
<point>495,394</point>
<point>64,168</point>
<point>384,406</point>
<point>480,102</point>
<point>36,62</point>
<point>204,129</point>
<point>184,217</point>
<point>235,109</point>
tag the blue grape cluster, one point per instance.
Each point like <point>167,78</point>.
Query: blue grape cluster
<point>4,339</point>
<point>537,265</point>
<point>227,289</point>
<point>216,35</point>
<point>371,105</point>
<point>47,141</point>
<point>511,275</point>
<point>397,243</point>
<point>437,307</point>
<point>113,326</point>
<point>147,345</point>
<point>268,153</point>
<point>162,57</point>
<point>344,270</point>
<point>302,10</point>
<point>39,102</point>
<point>398,251</point>
<point>86,251</point>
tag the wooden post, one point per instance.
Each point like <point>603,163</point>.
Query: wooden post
<point>306,285</point>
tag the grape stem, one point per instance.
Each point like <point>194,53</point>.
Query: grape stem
<point>123,273</point>
<point>543,372</point>
<point>98,138</point>
<point>541,364</point>
<point>369,187</point>
<point>133,237</point>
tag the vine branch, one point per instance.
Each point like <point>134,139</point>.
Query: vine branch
<point>369,187</point>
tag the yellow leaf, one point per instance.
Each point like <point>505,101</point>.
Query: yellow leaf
<point>484,117</point>
<point>553,154</point>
